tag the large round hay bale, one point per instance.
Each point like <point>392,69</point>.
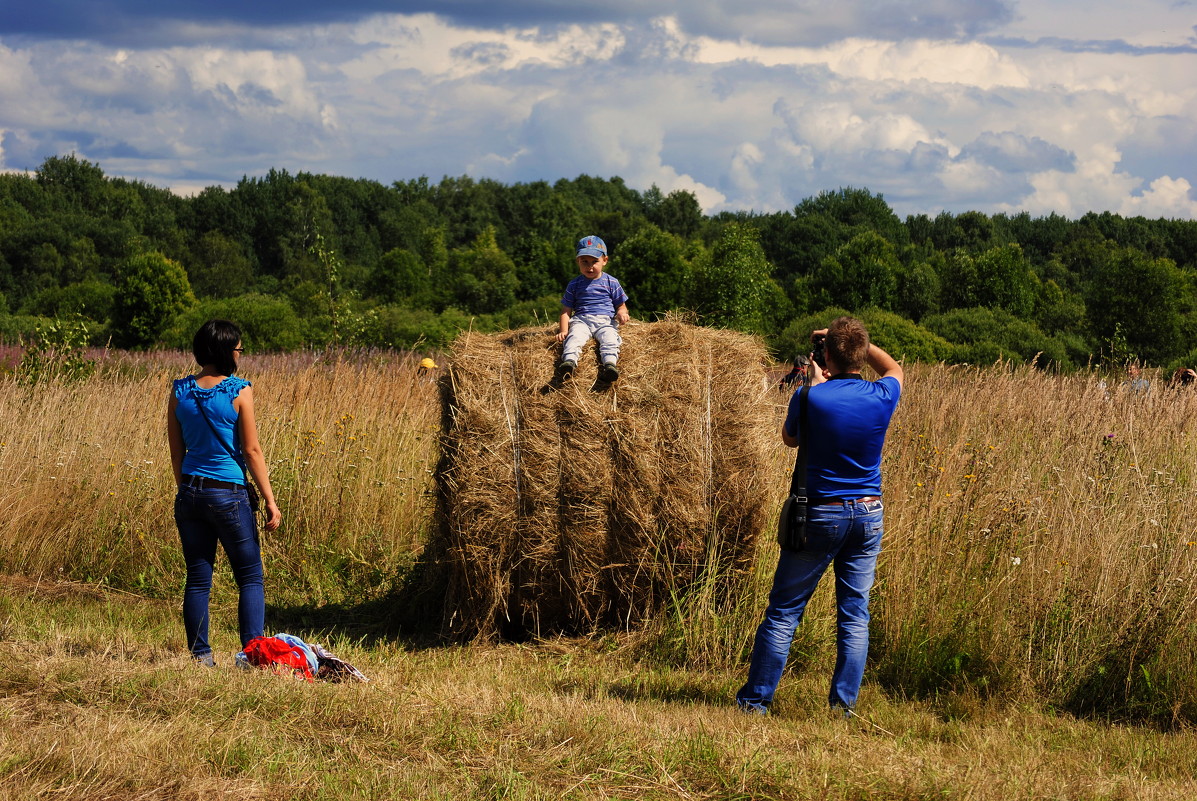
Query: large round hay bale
<point>567,508</point>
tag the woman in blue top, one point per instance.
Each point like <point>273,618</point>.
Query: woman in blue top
<point>213,442</point>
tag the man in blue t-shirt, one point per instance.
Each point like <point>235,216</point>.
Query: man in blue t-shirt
<point>847,418</point>
<point>593,304</point>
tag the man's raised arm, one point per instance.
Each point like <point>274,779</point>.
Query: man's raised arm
<point>884,365</point>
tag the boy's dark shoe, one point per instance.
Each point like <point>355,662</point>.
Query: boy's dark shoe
<point>609,373</point>
<point>565,370</point>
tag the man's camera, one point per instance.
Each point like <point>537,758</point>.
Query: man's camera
<point>817,351</point>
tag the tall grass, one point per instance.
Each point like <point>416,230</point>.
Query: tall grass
<point>1039,545</point>
<point>1039,542</point>
<point>86,489</point>
<point>1040,538</point>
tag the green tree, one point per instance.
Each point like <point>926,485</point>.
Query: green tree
<point>435,254</point>
<point>918,290</point>
<point>857,209</point>
<point>401,277</point>
<point>904,339</point>
<point>401,327</point>
<point>983,335</point>
<point>653,271</point>
<point>998,278</point>
<point>1140,298</point>
<point>1005,280</point>
<point>861,273</point>
<point>540,267</point>
<point>218,267</point>
<point>1039,236</point>
<point>485,276</point>
<point>796,246</point>
<point>1081,258</point>
<point>266,323</point>
<point>310,230</point>
<point>799,244</point>
<point>56,352</point>
<point>150,290</point>
<point>89,300</point>
<point>1058,311</point>
<point>732,288</point>
<point>468,207</point>
<point>678,212</point>
<point>74,184</point>
<point>971,232</point>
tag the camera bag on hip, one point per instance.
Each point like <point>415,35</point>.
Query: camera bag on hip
<point>791,525</point>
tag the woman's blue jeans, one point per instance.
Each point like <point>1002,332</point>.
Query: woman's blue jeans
<point>846,536</point>
<point>205,517</point>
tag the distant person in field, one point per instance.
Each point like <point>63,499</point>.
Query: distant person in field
<point>847,418</point>
<point>594,305</point>
<point>1184,377</point>
<point>1135,382</point>
<point>213,443</point>
<point>797,375</point>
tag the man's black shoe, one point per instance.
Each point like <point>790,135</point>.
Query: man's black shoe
<point>565,370</point>
<point>609,373</point>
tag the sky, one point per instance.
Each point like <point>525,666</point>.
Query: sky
<point>1064,106</point>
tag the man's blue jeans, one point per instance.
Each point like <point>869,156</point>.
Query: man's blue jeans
<point>847,536</point>
<point>205,517</point>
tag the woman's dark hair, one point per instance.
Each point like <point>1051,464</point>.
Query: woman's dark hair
<point>214,343</point>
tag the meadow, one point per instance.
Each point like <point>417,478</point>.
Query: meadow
<point>1032,634</point>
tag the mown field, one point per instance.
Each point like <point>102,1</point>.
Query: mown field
<point>1033,631</point>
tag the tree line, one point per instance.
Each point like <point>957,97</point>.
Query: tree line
<point>311,260</point>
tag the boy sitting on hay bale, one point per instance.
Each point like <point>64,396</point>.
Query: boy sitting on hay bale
<point>593,304</point>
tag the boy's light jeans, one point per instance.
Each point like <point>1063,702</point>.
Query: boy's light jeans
<point>584,326</point>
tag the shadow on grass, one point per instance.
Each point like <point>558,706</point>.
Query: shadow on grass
<point>674,688</point>
<point>412,614</point>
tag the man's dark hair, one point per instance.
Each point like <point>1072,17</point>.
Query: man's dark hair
<point>848,344</point>
<point>214,343</point>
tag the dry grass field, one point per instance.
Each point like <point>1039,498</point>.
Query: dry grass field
<point>1033,631</point>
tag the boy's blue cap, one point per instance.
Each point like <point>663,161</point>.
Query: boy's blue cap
<point>592,246</point>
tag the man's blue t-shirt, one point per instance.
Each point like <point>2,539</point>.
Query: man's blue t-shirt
<point>847,418</point>
<point>601,295</point>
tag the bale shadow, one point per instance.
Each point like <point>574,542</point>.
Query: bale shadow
<point>411,614</point>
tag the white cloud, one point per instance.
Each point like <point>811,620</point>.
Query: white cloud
<point>1166,197</point>
<point>973,63</point>
<point>432,47</point>
<point>844,127</point>
<point>950,123</point>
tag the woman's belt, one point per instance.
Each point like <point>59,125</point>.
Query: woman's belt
<point>841,501</point>
<point>200,482</point>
